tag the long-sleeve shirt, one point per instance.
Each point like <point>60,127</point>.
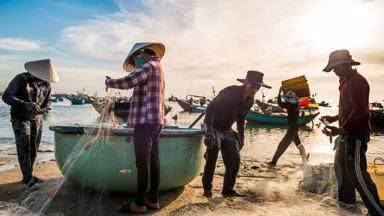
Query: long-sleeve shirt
<point>26,89</point>
<point>293,112</point>
<point>147,105</point>
<point>228,107</point>
<point>354,115</point>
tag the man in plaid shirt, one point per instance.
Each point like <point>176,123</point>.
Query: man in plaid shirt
<point>146,116</point>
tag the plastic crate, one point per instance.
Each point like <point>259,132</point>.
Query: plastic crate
<point>293,81</point>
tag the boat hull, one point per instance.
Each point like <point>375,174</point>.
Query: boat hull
<point>377,118</point>
<point>109,162</point>
<point>253,116</point>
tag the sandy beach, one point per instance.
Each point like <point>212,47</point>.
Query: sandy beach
<point>266,193</point>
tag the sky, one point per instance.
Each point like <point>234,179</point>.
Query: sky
<point>208,43</point>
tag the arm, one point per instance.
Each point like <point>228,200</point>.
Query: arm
<point>46,105</point>
<point>135,78</point>
<point>240,129</point>
<point>208,120</point>
<point>279,102</point>
<point>9,95</point>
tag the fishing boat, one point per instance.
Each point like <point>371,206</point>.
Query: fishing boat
<point>277,118</point>
<point>54,100</point>
<point>172,98</point>
<point>76,101</point>
<point>103,158</point>
<point>264,106</point>
<point>190,107</point>
<point>377,117</point>
<point>119,108</point>
<point>324,104</point>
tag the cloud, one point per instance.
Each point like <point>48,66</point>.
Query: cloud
<point>212,42</point>
<point>19,44</point>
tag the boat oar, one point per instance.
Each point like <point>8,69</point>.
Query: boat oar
<point>198,118</point>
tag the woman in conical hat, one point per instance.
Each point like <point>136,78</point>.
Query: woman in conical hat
<point>29,96</point>
<point>146,115</point>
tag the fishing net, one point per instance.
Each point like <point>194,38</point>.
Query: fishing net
<point>292,189</point>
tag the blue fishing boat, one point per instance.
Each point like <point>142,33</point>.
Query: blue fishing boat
<point>187,107</point>
<point>54,100</point>
<point>277,118</point>
<point>76,101</point>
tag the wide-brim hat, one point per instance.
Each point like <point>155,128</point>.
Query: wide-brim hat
<point>42,69</point>
<point>158,48</point>
<point>338,57</point>
<point>255,78</point>
<point>290,97</point>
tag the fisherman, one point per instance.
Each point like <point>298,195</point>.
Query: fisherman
<point>230,106</point>
<point>29,95</point>
<point>146,116</point>
<point>292,105</point>
<point>354,131</point>
<point>202,101</point>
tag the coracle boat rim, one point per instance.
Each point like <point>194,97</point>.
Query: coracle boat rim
<point>108,131</point>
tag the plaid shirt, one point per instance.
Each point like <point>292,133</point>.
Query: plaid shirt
<point>147,105</point>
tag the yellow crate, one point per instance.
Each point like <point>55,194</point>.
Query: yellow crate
<point>293,81</point>
<point>295,87</point>
<point>376,171</point>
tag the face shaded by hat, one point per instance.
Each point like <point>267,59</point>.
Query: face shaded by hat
<point>338,57</point>
<point>158,48</point>
<point>254,78</point>
<point>291,97</point>
<point>42,69</point>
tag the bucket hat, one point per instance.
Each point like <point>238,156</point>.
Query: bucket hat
<point>338,57</point>
<point>254,77</point>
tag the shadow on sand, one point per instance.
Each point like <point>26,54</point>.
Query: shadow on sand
<point>71,199</point>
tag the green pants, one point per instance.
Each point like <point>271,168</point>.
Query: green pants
<point>28,137</point>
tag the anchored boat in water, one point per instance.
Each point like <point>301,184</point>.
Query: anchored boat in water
<point>277,118</point>
<point>104,158</point>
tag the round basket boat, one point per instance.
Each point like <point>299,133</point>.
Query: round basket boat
<point>104,159</point>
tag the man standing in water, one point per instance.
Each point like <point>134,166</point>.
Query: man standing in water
<point>354,129</point>
<point>292,105</point>
<point>29,95</point>
<point>230,106</point>
<point>146,115</point>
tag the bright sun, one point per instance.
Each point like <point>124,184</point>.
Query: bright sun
<point>338,24</point>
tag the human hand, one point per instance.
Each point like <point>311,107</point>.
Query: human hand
<point>331,131</point>
<point>106,79</point>
<point>327,120</point>
<point>32,107</point>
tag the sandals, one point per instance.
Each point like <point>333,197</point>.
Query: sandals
<point>154,206</point>
<point>132,208</point>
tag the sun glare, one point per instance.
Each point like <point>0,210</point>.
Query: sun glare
<point>338,24</point>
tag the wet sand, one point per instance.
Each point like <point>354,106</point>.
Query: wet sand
<point>266,193</point>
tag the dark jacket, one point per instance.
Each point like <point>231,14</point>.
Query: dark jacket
<point>293,113</point>
<point>227,108</point>
<point>354,115</point>
<point>27,89</point>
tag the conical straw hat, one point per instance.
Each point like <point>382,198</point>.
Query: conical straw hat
<point>158,48</point>
<point>42,69</point>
